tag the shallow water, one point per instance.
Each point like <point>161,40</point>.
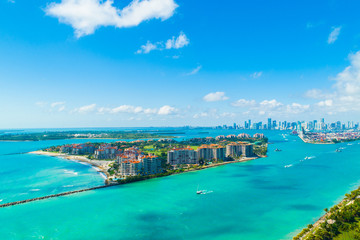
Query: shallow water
<point>261,199</point>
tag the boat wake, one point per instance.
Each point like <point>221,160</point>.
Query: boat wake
<point>288,166</point>
<point>205,192</point>
<point>70,172</point>
<point>34,190</point>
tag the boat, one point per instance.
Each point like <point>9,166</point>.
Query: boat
<point>277,150</point>
<point>199,191</point>
<point>337,150</point>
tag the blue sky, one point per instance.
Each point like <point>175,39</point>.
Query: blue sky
<point>91,63</point>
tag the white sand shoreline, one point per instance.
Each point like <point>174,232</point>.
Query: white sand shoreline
<point>100,168</point>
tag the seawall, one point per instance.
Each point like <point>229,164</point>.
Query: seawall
<point>54,195</point>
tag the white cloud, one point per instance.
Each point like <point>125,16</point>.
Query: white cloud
<point>176,43</point>
<point>179,42</point>
<point>126,109</point>
<point>200,115</point>
<point>164,110</point>
<point>346,94</point>
<point>243,103</point>
<point>85,16</point>
<point>55,104</point>
<point>256,74</point>
<point>214,97</point>
<point>334,35</point>
<point>270,103</point>
<point>61,108</point>
<point>167,110</point>
<point>148,47</point>
<point>296,108</point>
<point>194,71</point>
<point>325,103</point>
<point>314,94</point>
<point>85,109</point>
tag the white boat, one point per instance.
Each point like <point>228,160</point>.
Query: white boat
<point>199,191</point>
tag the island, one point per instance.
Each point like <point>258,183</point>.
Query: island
<point>60,135</point>
<point>329,137</point>
<point>124,161</point>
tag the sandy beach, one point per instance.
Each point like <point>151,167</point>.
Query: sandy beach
<point>100,166</point>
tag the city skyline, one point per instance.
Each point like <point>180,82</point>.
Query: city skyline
<point>177,63</point>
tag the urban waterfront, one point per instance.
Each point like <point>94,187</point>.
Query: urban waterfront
<point>260,199</point>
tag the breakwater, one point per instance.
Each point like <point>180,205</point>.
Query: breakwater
<point>54,195</point>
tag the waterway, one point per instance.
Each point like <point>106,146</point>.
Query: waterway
<point>268,198</point>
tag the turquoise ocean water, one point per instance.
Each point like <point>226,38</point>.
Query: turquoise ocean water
<point>261,199</point>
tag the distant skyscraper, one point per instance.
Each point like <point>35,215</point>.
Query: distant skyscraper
<point>269,123</point>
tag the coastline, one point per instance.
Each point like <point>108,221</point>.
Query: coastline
<point>328,217</point>
<point>100,168</point>
<point>103,170</point>
<point>306,141</point>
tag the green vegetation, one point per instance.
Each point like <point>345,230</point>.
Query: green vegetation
<point>80,134</point>
<point>345,140</point>
<point>341,222</point>
<point>260,150</point>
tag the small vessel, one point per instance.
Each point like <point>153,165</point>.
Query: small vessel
<point>337,150</point>
<point>287,166</point>
<point>306,158</point>
<point>199,191</point>
<point>277,150</point>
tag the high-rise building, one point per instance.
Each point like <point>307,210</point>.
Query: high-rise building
<point>269,123</point>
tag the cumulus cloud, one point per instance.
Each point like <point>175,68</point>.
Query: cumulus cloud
<point>270,103</point>
<point>270,107</point>
<point>296,108</point>
<point>214,97</point>
<point>243,103</point>
<point>334,35</point>
<point>325,103</point>
<point>148,47</point>
<point>85,109</point>
<point>179,42</point>
<point>164,110</point>
<point>346,94</point>
<point>85,16</point>
<point>167,110</point>
<point>175,43</point>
